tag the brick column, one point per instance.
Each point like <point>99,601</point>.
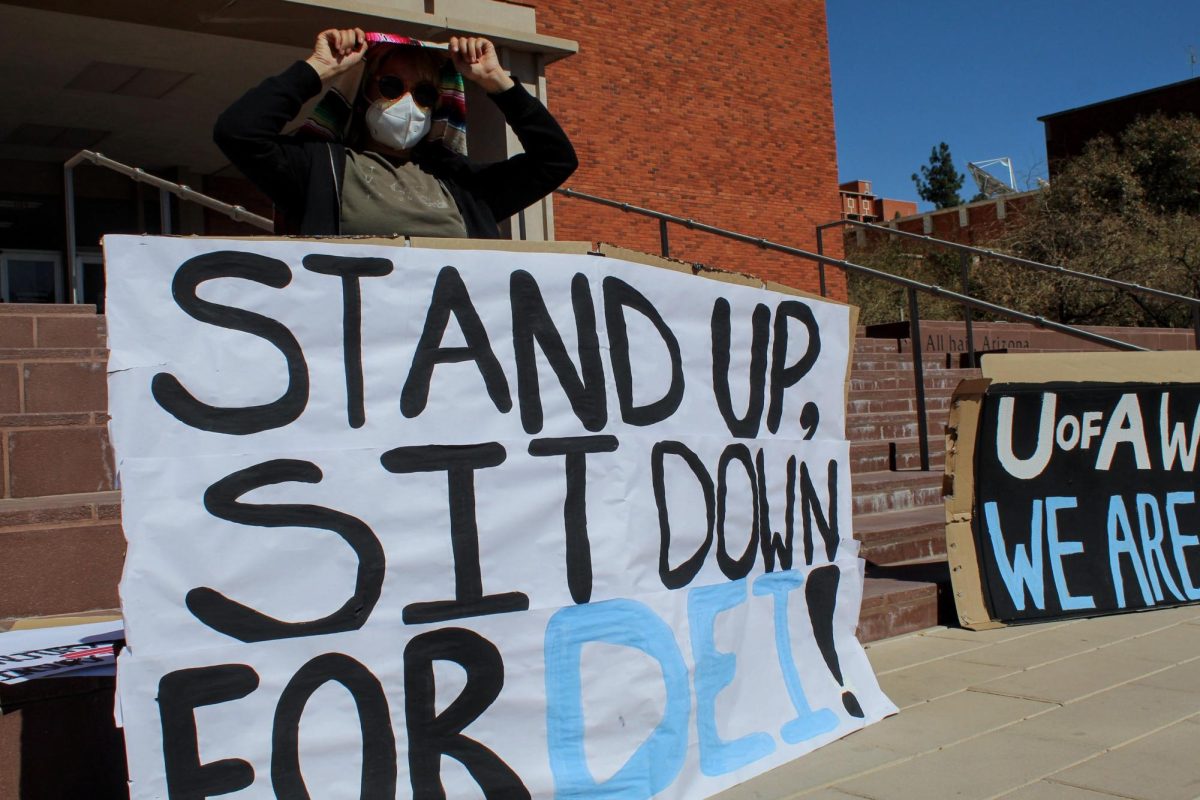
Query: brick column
<point>60,532</point>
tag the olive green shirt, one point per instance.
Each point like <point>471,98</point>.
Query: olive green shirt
<point>381,199</point>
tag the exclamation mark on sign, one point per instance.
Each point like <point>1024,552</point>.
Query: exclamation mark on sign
<point>821,593</point>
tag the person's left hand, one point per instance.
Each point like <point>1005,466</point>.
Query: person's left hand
<point>476,58</point>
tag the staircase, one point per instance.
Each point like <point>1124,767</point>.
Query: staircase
<point>898,513</point>
<point>59,510</point>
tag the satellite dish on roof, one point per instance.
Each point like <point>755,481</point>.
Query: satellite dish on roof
<point>988,183</point>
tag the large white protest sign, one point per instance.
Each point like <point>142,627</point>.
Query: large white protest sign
<point>579,525</point>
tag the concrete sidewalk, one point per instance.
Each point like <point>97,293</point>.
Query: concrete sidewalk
<point>1090,709</point>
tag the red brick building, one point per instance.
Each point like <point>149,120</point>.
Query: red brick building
<point>860,204</point>
<point>971,223</point>
<point>700,110</point>
<point>1068,131</point>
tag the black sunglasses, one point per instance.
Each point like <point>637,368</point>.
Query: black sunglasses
<point>393,87</point>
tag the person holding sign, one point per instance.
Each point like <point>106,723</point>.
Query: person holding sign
<point>385,150</point>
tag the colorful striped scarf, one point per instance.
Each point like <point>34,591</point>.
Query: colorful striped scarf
<point>330,121</point>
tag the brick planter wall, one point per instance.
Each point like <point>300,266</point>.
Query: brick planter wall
<point>60,535</point>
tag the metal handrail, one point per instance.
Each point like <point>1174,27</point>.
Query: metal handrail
<point>165,188</point>
<point>912,287</point>
<point>850,266</point>
<point>967,250</point>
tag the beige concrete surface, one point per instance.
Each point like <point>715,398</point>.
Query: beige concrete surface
<point>1091,709</point>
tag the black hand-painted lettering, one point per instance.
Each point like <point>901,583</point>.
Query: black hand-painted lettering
<point>579,548</point>
<point>810,419</point>
<point>820,592</point>
<point>450,296</point>
<point>430,735</point>
<point>741,427</point>
<point>772,545</point>
<point>248,625</point>
<point>783,375</point>
<point>826,523</point>
<point>180,693</point>
<point>374,721</point>
<point>618,296</point>
<point>238,421</point>
<point>351,270</point>
<point>531,322</point>
<point>682,575</point>
<point>459,462</point>
<point>736,568</point>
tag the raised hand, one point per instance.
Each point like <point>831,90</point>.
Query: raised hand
<point>337,51</point>
<point>477,60</point>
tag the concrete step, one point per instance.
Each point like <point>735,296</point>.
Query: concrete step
<point>868,362</point>
<point>877,492</point>
<point>869,380</point>
<point>905,368</point>
<point>894,425</point>
<point>864,402</point>
<point>946,390</point>
<point>876,456</point>
<point>863,344</point>
<point>896,537</point>
<point>895,607</point>
<point>905,598</point>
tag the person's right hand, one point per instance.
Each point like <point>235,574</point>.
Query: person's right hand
<point>337,52</point>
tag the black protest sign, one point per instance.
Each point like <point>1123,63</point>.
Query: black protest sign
<point>1085,498</point>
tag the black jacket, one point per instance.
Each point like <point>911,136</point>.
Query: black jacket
<point>304,178</point>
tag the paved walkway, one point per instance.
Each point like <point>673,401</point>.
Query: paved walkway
<point>1090,709</point>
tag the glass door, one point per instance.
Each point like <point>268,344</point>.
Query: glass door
<point>89,279</point>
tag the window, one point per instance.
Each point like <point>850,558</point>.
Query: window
<point>866,207</point>
<point>31,276</point>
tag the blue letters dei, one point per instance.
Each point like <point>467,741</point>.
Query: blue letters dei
<point>714,671</point>
<point>659,759</point>
<point>657,762</point>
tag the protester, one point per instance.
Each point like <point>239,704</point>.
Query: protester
<point>385,151</point>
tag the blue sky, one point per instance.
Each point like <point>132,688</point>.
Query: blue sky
<point>908,74</point>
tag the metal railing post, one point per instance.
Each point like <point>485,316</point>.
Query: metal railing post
<point>964,268</point>
<point>664,241</point>
<point>164,212</point>
<point>821,264</point>
<point>73,289</point>
<point>919,376</point>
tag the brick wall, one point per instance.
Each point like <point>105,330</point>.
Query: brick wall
<point>983,221</point>
<point>721,112</point>
<point>60,533</point>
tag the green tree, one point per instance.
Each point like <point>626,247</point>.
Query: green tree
<point>939,182</point>
<point>1126,208</point>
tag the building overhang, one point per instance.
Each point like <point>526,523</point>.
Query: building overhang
<point>143,81</point>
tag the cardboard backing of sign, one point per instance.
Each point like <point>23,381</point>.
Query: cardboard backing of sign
<point>963,431</point>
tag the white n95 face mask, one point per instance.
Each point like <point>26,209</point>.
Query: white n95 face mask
<point>398,123</point>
